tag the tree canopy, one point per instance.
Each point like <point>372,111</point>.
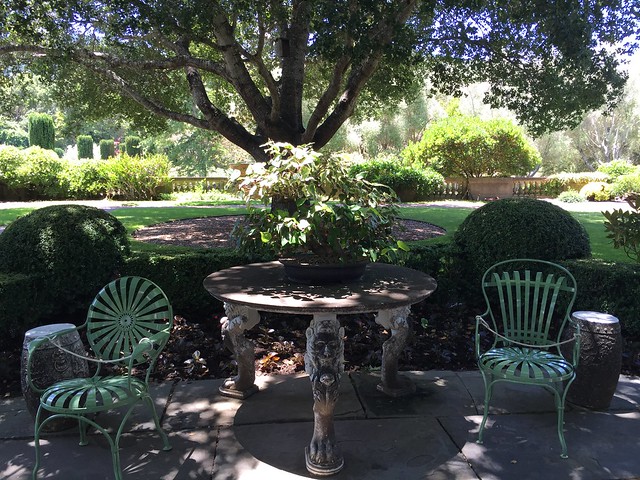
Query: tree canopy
<point>295,70</point>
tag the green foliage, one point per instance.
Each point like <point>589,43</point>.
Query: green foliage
<point>616,168</point>
<point>132,145</point>
<point>76,249</point>
<point>624,227</point>
<point>561,182</point>
<point>181,275</point>
<point>471,147</point>
<point>136,178</point>
<point>317,208</point>
<point>86,179</point>
<point>107,148</point>
<point>571,196</point>
<point>596,192</point>
<point>41,131</point>
<point>409,183</point>
<point>12,134</point>
<point>40,172</point>
<point>609,287</point>
<point>85,146</point>
<point>556,61</point>
<point>626,184</point>
<point>518,228</point>
<point>10,159</point>
<point>24,302</point>
<point>59,152</point>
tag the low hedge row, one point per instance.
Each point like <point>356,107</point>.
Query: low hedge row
<point>602,286</point>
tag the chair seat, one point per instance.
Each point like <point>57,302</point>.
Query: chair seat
<point>527,365</point>
<point>91,395</point>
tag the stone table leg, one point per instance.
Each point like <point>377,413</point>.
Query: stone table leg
<point>324,362</point>
<point>394,320</point>
<point>238,319</point>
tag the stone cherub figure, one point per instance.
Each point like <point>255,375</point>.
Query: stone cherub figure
<point>324,362</point>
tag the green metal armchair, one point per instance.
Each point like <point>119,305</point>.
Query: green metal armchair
<point>528,306</point>
<point>127,326</point>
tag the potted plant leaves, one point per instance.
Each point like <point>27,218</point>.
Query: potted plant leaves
<point>322,223</point>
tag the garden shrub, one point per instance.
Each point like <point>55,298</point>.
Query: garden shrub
<point>409,183</point>
<point>40,173</point>
<point>136,178</point>
<point>616,168</point>
<point>41,131</point>
<point>609,287</point>
<point>560,182</point>
<point>596,192</point>
<point>180,275</point>
<point>468,146</point>
<point>132,145</point>
<point>107,148</point>
<point>24,301</point>
<point>518,228</point>
<point>571,196</point>
<point>59,152</point>
<point>10,159</point>
<point>625,184</point>
<point>77,249</point>
<point>86,179</point>
<point>85,146</point>
<point>11,134</point>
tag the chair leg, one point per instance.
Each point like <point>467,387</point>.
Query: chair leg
<point>36,442</point>
<point>165,439</point>
<point>488,392</point>
<point>82,427</point>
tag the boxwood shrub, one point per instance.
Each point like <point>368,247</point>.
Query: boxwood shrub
<point>76,248</point>
<point>518,228</point>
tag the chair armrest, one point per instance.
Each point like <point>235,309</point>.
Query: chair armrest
<point>576,344</point>
<point>480,324</point>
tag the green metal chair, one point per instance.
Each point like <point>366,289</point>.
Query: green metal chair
<point>127,326</point>
<point>528,306</point>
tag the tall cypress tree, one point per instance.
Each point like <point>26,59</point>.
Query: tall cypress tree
<point>41,130</point>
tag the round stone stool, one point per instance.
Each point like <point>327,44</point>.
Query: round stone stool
<point>600,360</point>
<point>50,364</point>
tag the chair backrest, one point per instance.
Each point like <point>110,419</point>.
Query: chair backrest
<point>529,301</point>
<point>125,311</point>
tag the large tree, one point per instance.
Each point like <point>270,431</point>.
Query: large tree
<point>249,69</point>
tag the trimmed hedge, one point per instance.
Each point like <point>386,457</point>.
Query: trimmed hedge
<point>609,287</point>
<point>41,131</point>
<point>180,275</point>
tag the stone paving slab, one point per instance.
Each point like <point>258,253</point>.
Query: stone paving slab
<point>141,456</point>
<point>289,398</point>
<point>437,393</point>
<point>381,449</point>
<point>523,447</point>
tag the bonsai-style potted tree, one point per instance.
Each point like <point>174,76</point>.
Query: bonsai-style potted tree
<point>318,219</point>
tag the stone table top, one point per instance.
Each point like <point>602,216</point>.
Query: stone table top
<point>263,286</point>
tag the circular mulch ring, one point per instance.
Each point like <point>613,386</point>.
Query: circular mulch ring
<point>214,232</point>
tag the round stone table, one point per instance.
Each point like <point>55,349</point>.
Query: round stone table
<point>387,290</point>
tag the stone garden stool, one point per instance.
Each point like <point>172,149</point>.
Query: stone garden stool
<point>600,360</point>
<point>50,364</point>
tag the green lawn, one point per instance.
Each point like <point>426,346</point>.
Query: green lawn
<point>448,218</point>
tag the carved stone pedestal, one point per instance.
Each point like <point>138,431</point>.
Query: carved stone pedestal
<point>395,321</point>
<point>324,362</point>
<point>238,319</point>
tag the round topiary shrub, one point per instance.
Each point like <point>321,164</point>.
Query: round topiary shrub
<point>518,228</point>
<point>77,249</point>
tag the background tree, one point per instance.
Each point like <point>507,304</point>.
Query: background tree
<point>85,146</point>
<point>246,69</point>
<point>42,132</point>
<point>466,146</point>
